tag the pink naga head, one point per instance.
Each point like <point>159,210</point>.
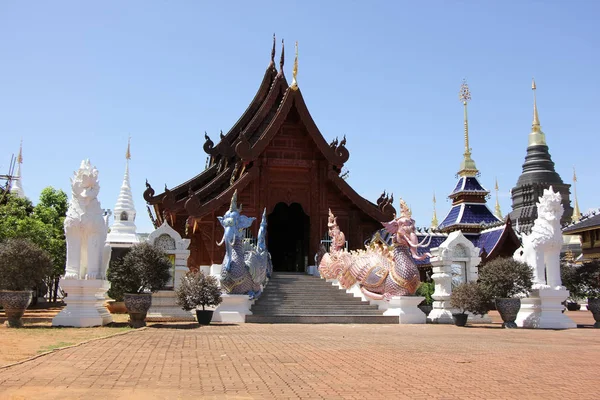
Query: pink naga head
<point>403,226</point>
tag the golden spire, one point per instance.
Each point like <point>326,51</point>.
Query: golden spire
<point>576,213</point>
<point>467,166</point>
<point>294,85</point>
<point>434,220</point>
<point>20,156</point>
<point>536,137</point>
<point>128,152</point>
<point>497,212</point>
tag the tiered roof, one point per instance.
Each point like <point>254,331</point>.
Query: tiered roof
<point>231,164</point>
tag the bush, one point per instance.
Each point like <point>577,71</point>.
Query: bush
<point>23,264</point>
<point>426,290</point>
<point>143,269</point>
<point>582,281</point>
<point>197,289</point>
<point>505,277</point>
<point>470,297</point>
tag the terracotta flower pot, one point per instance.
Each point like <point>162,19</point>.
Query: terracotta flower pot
<point>15,303</point>
<point>594,307</point>
<point>204,316</point>
<point>137,307</point>
<point>508,309</point>
<point>116,307</point>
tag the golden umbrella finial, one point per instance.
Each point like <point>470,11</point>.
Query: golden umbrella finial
<point>434,220</point>
<point>20,156</point>
<point>576,213</point>
<point>467,167</point>
<point>498,211</point>
<point>128,152</point>
<point>536,137</point>
<point>295,70</point>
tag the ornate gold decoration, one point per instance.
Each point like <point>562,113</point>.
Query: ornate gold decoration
<point>294,85</point>
<point>536,137</point>
<point>404,210</point>
<point>576,213</point>
<point>128,152</point>
<point>434,220</point>
<point>20,156</point>
<point>497,212</point>
<point>467,166</point>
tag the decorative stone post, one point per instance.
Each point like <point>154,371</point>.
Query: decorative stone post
<point>455,261</point>
<point>164,305</point>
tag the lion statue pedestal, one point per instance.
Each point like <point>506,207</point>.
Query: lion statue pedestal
<point>541,250</point>
<point>85,231</point>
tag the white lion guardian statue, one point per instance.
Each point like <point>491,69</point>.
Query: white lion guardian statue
<point>541,248</point>
<point>85,227</point>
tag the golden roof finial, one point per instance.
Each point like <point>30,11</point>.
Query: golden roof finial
<point>295,70</point>
<point>497,212</point>
<point>467,166</point>
<point>128,152</point>
<point>434,220</point>
<point>20,156</point>
<point>576,213</point>
<point>536,137</point>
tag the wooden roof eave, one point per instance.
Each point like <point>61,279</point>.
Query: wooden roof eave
<point>363,204</point>
<point>197,211</point>
<point>247,153</point>
<point>507,234</point>
<point>205,176</point>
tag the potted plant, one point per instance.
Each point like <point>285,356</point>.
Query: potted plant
<point>197,289</point>
<point>571,279</point>
<point>23,265</point>
<point>503,279</point>
<point>468,297</point>
<point>589,277</point>
<point>141,272</point>
<point>426,290</point>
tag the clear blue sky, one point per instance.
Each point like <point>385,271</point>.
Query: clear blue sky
<point>77,78</point>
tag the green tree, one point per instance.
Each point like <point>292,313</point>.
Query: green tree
<point>42,224</point>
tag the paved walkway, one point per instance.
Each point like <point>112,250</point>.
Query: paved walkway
<point>255,361</point>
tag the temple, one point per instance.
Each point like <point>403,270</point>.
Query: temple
<point>469,213</point>
<point>276,158</point>
<point>538,174</point>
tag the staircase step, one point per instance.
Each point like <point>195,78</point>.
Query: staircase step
<point>321,319</point>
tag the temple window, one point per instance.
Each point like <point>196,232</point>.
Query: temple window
<point>123,216</point>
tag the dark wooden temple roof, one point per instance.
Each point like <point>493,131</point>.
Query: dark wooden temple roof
<point>232,159</point>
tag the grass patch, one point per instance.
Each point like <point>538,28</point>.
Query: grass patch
<point>54,346</point>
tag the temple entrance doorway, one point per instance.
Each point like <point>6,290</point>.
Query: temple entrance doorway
<point>288,231</point>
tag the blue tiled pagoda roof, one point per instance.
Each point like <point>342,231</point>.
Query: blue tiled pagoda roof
<point>469,184</point>
<point>468,214</point>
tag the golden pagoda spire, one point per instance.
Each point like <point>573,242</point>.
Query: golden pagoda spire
<point>467,166</point>
<point>128,152</point>
<point>497,212</point>
<point>434,220</point>
<point>536,137</point>
<point>294,85</point>
<point>20,156</point>
<point>576,213</point>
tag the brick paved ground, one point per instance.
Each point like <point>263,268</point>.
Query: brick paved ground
<point>318,361</point>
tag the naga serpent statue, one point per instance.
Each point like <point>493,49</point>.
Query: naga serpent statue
<point>243,272</point>
<point>383,273</point>
<point>331,265</point>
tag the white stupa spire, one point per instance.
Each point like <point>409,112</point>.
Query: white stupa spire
<point>123,229</point>
<point>16,187</point>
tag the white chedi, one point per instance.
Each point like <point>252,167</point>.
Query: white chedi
<point>85,227</point>
<point>541,248</point>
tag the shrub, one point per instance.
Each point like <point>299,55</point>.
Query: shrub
<point>426,290</point>
<point>505,277</point>
<point>143,269</point>
<point>23,264</point>
<point>471,297</point>
<point>588,279</point>
<point>197,289</point>
<point>571,279</point>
